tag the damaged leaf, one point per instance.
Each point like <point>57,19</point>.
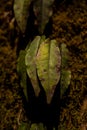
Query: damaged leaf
<point>21,11</point>
<point>48,63</point>
<point>30,62</point>
<point>43,11</point>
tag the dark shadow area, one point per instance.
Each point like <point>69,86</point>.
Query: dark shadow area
<point>66,2</point>
<point>65,99</point>
<point>48,28</point>
<point>37,109</point>
<point>57,2</point>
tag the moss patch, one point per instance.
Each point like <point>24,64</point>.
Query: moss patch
<point>70,27</point>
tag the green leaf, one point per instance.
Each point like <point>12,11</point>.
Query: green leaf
<point>65,72</point>
<point>65,81</point>
<point>21,11</point>
<point>65,56</point>
<point>43,11</point>
<point>30,61</point>
<point>48,66</point>
<point>21,69</point>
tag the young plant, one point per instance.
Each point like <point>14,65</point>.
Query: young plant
<point>44,61</point>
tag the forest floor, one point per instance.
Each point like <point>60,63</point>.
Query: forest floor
<point>69,27</point>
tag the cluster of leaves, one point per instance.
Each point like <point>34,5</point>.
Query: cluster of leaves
<point>42,10</point>
<point>43,60</point>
